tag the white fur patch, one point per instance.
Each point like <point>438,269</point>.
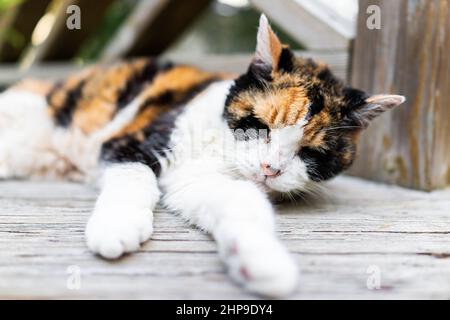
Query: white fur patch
<point>257,260</point>
<point>32,146</point>
<point>123,217</point>
<point>241,219</point>
<point>25,135</point>
<point>204,183</point>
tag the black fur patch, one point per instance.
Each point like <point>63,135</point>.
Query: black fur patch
<point>328,79</point>
<point>245,82</point>
<point>354,100</point>
<point>125,149</point>
<point>137,82</point>
<point>248,122</point>
<point>165,98</point>
<point>175,98</point>
<point>325,164</point>
<point>317,101</point>
<point>63,116</point>
<point>130,149</point>
<point>286,61</point>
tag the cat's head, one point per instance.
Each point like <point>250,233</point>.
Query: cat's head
<point>294,121</point>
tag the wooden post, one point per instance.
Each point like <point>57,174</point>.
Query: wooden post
<point>409,55</point>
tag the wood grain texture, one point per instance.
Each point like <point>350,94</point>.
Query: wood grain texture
<point>406,234</point>
<point>409,55</point>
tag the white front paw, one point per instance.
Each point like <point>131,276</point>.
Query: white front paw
<point>261,264</point>
<point>114,231</point>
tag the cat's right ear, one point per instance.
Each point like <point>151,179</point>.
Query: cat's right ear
<point>268,48</point>
<point>374,106</point>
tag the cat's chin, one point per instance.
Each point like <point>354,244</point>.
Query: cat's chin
<point>268,186</point>
<point>263,186</point>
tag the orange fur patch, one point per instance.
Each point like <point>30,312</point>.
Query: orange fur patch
<point>38,86</point>
<point>178,81</point>
<point>60,91</point>
<point>277,108</point>
<point>99,100</point>
<point>315,131</point>
<point>180,78</point>
<point>275,48</point>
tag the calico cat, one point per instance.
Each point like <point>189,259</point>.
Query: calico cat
<point>210,148</point>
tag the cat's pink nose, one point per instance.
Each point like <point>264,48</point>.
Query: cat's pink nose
<point>270,171</point>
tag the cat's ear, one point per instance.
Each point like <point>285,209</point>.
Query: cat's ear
<point>268,48</point>
<point>376,105</point>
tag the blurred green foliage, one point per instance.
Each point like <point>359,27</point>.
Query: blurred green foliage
<point>8,34</point>
<point>14,38</point>
<point>6,4</point>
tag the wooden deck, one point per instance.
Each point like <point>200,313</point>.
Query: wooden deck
<point>402,235</point>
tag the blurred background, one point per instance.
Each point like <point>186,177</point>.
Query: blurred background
<point>36,31</point>
<point>381,46</point>
<point>199,26</point>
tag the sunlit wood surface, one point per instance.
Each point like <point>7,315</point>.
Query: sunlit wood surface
<point>361,227</point>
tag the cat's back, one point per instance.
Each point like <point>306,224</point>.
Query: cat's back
<point>138,91</point>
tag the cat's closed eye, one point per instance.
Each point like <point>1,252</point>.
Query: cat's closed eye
<point>250,122</point>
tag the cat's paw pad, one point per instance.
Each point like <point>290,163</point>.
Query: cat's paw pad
<point>111,233</point>
<point>262,266</point>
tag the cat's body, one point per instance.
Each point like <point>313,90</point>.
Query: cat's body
<point>210,148</point>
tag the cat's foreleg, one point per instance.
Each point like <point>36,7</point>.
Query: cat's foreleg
<point>241,220</point>
<point>123,214</point>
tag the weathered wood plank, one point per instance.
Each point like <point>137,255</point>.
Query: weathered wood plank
<point>409,55</point>
<point>227,63</point>
<point>406,234</point>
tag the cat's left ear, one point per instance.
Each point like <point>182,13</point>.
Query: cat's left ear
<point>268,48</point>
<point>376,105</point>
